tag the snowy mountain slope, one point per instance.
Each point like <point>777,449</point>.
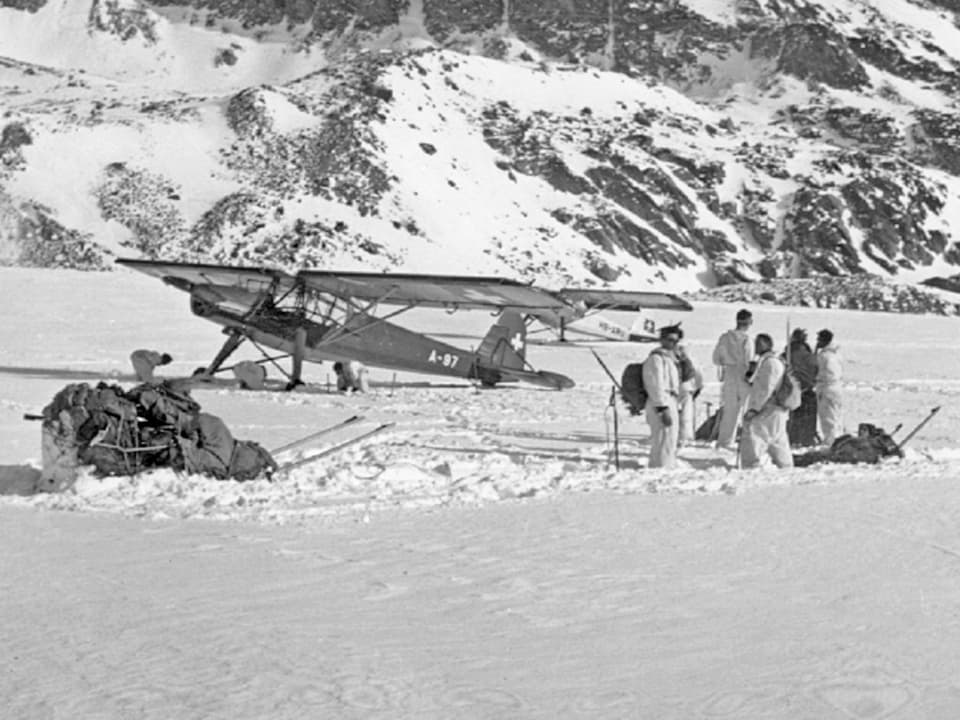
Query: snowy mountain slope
<point>619,143</point>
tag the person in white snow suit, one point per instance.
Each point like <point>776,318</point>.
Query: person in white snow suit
<point>351,376</point>
<point>829,375</point>
<point>691,383</point>
<point>765,422</point>
<point>661,380</point>
<point>146,361</point>
<point>733,355</point>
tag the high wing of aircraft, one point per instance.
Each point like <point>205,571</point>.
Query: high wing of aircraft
<point>318,316</point>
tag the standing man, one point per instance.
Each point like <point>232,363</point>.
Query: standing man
<point>765,422</point>
<point>733,355</point>
<point>829,375</point>
<point>145,361</point>
<point>802,427</point>
<point>661,380</point>
<point>691,383</point>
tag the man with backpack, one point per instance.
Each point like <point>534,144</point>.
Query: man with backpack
<point>765,419</point>
<point>661,381</point>
<point>733,355</point>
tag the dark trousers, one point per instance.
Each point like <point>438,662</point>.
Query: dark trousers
<point>802,425</point>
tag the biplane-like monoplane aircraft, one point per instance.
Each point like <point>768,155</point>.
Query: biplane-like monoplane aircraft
<point>318,316</point>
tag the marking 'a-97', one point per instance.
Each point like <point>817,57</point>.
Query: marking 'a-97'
<point>448,360</point>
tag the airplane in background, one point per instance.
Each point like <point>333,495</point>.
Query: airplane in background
<point>582,315</point>
<point>318,316</point>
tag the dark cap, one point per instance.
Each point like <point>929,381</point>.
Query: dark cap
<point>824,337</point>
<point>165,359</point>
<point>671,330</point>
<point>744,314</point>
<point>799,334</point>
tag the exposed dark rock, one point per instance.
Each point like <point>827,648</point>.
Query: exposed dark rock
<point>247,113</point>
<point>124,22</point>
<point>28,5</point>
<point>873,48</point>
<point>324,16</point>
<point>936,137</point>
<point>664,39</point>
<point>816,233</point>
<point>729,270</point>
<point>861,292</point>
<point>444,18</point>
<point>600,267</point>
<point>13,137</point>
<point>142,202</point>
<point>892,213</point>
<point>810,51</point>
<point>225,56</point>
<point>30,237</point>
<point>569,30</point>
<point>866,128</point>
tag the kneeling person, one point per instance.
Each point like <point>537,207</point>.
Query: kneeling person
<point>661,380</point>
<point>145,361</point>
<point>765,422</point>
<point>351,376</point>
<point>251,375</point>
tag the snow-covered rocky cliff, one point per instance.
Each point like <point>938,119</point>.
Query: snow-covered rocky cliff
<point>677,144</point>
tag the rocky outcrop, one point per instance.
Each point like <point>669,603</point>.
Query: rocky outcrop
<point>936,139</point>
<point>30,237</point>
<point>13,138</point>
<point>863,292</point>
<point>810,51</point>
<point>324,17</point>
<point>124,22</point>
<point>882,52</point>
<point>143,202</point>
<point>28,5</point>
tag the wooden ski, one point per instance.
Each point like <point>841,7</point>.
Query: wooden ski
<point>286,467</point>
<point>315,435</point>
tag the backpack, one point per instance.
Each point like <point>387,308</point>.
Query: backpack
<point>787,393</point>
<point>686,369</point>
<point>631,388</point>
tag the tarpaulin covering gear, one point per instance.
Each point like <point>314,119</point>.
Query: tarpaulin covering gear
<point>153,425</point>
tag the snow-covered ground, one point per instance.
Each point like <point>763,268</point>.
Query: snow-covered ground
<point>482,558</point>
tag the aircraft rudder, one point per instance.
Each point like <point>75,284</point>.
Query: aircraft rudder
<point>505,344</point>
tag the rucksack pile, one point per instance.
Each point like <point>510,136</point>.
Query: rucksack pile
<point>154,425</point>
<point>870,445</point>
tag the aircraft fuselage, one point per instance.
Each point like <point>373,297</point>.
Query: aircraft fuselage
<point>361,337</point>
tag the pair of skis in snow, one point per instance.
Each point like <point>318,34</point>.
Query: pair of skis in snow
<point>331,450</point>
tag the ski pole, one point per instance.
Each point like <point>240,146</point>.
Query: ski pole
<point>616,429</point>
<point>612,377</point>
<point>918,427</point>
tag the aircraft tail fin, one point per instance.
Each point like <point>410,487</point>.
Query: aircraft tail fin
<point>505,344</point>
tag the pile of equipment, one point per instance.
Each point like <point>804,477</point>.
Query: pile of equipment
<point>871,444</point>
<point>153,425</point>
